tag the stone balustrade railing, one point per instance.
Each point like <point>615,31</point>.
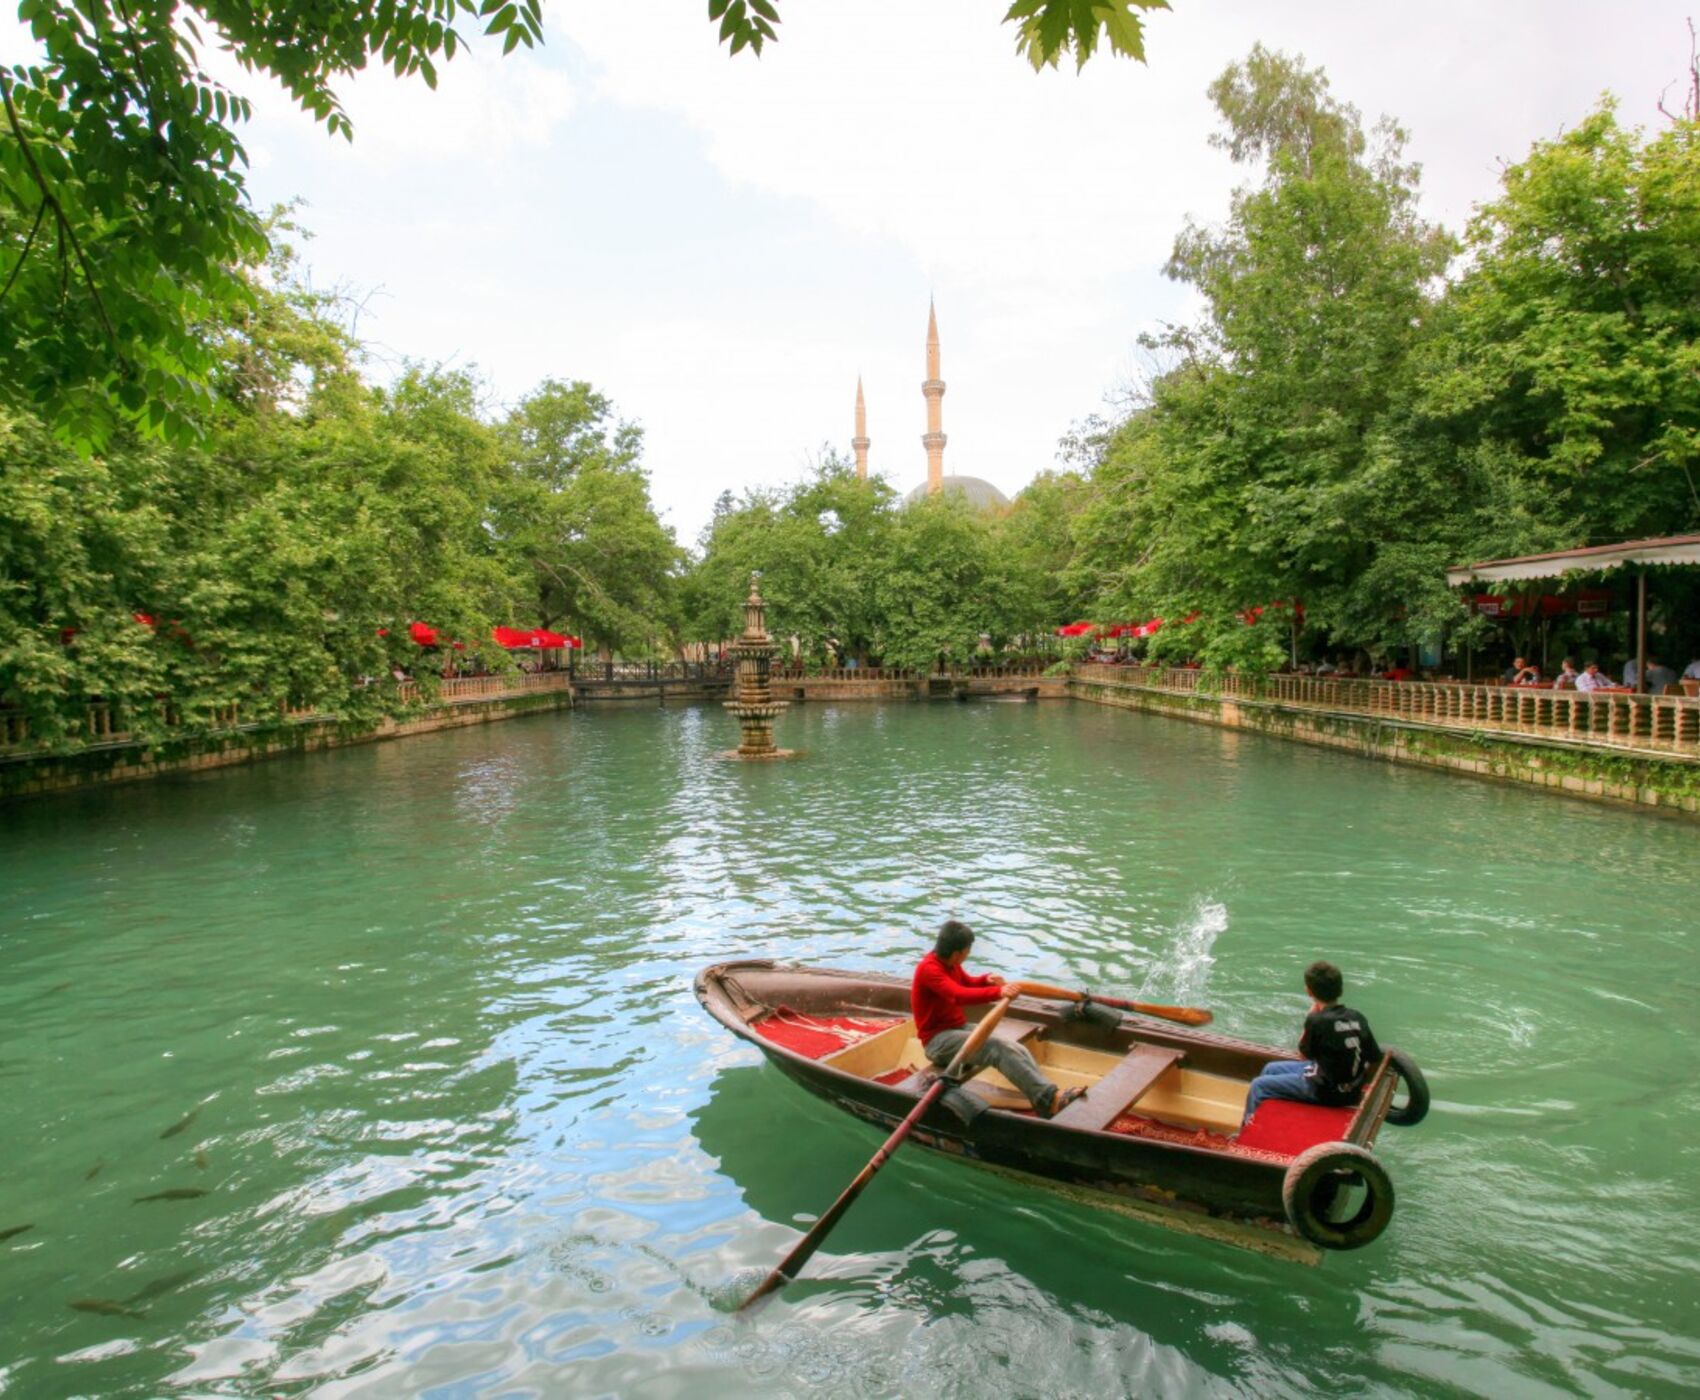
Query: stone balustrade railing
<point>846,673</point>
<point>897,673</point>
<point>105,727</point>
<point>1614,719</point>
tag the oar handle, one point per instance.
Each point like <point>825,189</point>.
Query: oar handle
<point>982,1033</point>
<point>1187,1015</point>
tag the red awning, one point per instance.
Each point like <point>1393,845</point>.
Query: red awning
<point>538,638</point>
<point>1586,602</point>
<point>1075,629</point>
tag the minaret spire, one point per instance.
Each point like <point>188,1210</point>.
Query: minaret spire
<point>933,387</point>
<point>860,441</point>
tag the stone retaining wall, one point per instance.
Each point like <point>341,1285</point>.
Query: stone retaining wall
<point>130,762</point>
<point>1574,769</point>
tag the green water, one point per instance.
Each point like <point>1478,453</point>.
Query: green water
<point>463,1130</point>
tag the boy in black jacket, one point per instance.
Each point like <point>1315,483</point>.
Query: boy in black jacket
<point>1339,1049</point>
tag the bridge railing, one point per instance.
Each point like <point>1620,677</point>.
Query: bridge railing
<point>846,673</point>
<point>1613,719</point>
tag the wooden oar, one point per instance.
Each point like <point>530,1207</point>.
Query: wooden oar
<point>1187,1015</point>
<point>799,1256</point>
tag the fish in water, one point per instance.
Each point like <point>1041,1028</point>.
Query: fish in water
<point>15,1230</point>
<point>106,1307</point>
<point>59,987</point>
<point>182,1123</point>
<point>159,1286</point>
<point>175,1193</point>
<point>94,1171</point>
<point>201,1162</point>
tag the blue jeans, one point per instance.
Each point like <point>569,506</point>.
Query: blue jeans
<point>1281,1079</point>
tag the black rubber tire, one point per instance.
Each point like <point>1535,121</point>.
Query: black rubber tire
<point>1310,1187</point>
<point>1415,1107</point>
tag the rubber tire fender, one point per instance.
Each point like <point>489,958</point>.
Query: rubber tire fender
<point>1306,1175</point>
<point>1416,1089</point>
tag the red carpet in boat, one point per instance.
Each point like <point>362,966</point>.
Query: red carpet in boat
<point>1133,1125</point>
<point>1282,1126</point>
<point>816,1036</point>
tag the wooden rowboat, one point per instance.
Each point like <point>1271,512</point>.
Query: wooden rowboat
<point>1155,1135</point>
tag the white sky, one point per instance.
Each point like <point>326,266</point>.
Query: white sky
<point>722,244</point>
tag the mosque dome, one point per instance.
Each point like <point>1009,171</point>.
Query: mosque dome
<point>981,494</point>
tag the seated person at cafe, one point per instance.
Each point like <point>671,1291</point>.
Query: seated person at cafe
<point>1523,672</point>
<point>936,997</point>
<point>1692,672</point>
<point>1592,678</point>
<point>1566,677</point>
<point>1658,677</point>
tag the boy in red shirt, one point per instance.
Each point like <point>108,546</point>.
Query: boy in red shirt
<point>939,992</point>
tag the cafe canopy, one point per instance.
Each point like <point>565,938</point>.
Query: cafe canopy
<point>1668,549</point>
<point>1637,555</point>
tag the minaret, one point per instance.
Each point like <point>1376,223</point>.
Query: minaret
<point>933,387</point>
<point>860,441</point>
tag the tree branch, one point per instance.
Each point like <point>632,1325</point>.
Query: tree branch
<point>66,232</point>
<point>35,228</point>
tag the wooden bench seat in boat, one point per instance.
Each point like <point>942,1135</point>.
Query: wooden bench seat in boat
<point>1011,1028</point>
<point>1105,1101</point>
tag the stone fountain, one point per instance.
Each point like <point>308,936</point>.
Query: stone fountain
<point>755,706</point>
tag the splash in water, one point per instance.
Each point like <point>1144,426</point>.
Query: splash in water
<point>1181,972</point>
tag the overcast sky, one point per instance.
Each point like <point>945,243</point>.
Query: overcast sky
<point>722,244</point>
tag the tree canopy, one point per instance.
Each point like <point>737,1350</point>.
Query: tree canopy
<point>276,564</point>
<point>1345,420</point>
<point>124,212</point>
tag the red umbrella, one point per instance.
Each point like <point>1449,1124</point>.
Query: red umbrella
<point>425,636</point>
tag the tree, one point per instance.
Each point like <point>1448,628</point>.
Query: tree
<point>574,513</point>
<point>819,545</point>
<point>124,218</point>
<point>1568,371</point>
<point>944,585</point>
<point>273,567</point>
<point>1243,482</point>
<point>1037,539</point>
